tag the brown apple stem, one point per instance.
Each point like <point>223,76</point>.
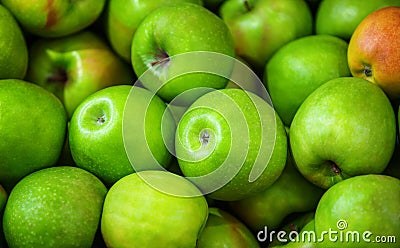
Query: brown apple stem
<point>247,5</point>
<point>335,168</point>
<point>162,58</point>
<point>60,77</point>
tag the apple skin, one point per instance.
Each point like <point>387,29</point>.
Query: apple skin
<point>98,143</point>
<point>124,16</point>
<point>54,207</point>
<point>366,203</point>
<point>55,18</point>
<point>173,30</point>
<point>75,66</point>
<point>229,135</point>
<point>137,214</point>
<point>14,55</point>
<point>33,127</point>
<point>341,17</point>
<point>257,26</point>
<point>374,50</point>
<point>300,224</point>
<point>290,194</point>
<point>334,137</point>
<point>224,230</point>
<point>300,67</point>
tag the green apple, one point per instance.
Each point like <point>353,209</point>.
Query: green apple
<point>224,230</point>
<point>138,211</point>
<point>33,125</point>
<point>55,18</point>
<point>124,16</point>
<point>341,17</point>
<point>344,128</point>
<point>173,30</point>
<point>290,194</point>
<point>14,52</point>
<point>232,147</point>
<point>260,28</point>
<point>299,233</point>
<point>99,144</point>
<point>75,66</point>
<point>362,211</point>
<point>54,207</point>
<point>300,67</point>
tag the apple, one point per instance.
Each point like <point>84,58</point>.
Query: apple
<point>344,128</point>
<point>232,147</point>
<point>122,17</point>
<point>298,233</point>
<point>300,67</point>
<point>33,124</point>
<point>341,17</point>
<point>119,129</point>
<point>140,211</point>
<point>54,207</point>
<point>14,55</point>
<point>75,66</point>
<point>224,230</point>
<point>374,50</point>
<point>55,18</point>
<point>260,28</point>
<point>359,210</point>
<point>166,35</point>
<point>290,194</point>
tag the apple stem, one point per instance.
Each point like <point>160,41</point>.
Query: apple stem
<point>59,77</point>
<point>247,5</point>
<point>335,168</point>
<point>162,57</point>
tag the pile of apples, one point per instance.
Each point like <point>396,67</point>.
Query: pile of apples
<point>199,123</point>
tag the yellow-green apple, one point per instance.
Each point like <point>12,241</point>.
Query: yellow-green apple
<point>33,125</point>
<point>55,18</point>
<point>374,50</point>
<point>341,17</point>
<point>54,207</point>
<point>224,230</point>
<point>290,194</point>
<point>257,26</point>
<point>362,211</point>
<point>301,66</point>
<point>345,128</point>
<point>168,33</point>
<point>122,17</point>
<point>139,211</point>
<point>114,131</point>
<point>233,147</point>
<point>14,52</point>
<point>75,66</point>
